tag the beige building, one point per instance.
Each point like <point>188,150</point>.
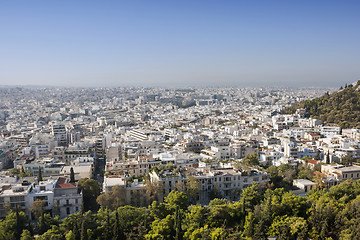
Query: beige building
<point>341,172</point>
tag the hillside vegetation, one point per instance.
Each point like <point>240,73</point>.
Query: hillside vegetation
<point>341,107</point>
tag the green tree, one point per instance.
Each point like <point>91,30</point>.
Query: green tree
<point>215,192</point>
<point>158,210</point>
<point>14,172</point>
<point>83,234</point>
<point>153,190</point>
<point>162,229</point>
<point>249,226</point>
<point>251,196</point>
<point>287,227</point>
<point>178,224</point>
<point>347,160</point>
<point>192,189</point>
<point>218,234</point>
<point>70,236</point>
<point>26,235</point>
<point>176,200</point>
<point>112,199</point>
<point>328,158</point>
<point>91,190</point>
<point>39,177</point>
<point>118,233</point>
<point>72,175</point>
<point>52,234</point>
<point>13,225</point>
<point>251,160</point>
<point>37,208</point>
<point>195,217</point>
<point>218,213</point>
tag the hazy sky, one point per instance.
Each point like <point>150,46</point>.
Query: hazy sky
<point>180,43</point>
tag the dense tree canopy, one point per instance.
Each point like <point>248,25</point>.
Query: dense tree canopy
<point>341,107</point>
<point>91,190</point>
<point>322,214</point>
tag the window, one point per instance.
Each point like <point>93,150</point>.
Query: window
<point>68,211</point>
<point>17,199</point>
<point>67,201</point>
<point>76,201</point>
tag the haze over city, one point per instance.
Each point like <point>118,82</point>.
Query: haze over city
<point>179,43</point>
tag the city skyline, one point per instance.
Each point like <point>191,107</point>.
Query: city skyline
<point>179,44</point>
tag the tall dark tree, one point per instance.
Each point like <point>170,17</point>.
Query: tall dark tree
<point>18,224</point>
<point>328,158</point>
<point>178,225</point>
<point>83,235</point>
<point>317,155</point>
<point>39,177</point>
<point>285,233</point>
<point>72,175</point>
<point>91,190</point>
<point>260,230</point>
<point>118,233</point>
<point>347,160</point>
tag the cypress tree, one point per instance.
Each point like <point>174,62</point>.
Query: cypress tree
<point>83,230</point>
<point>317,155</point>
<point>72,175</point>
<point>108,233</point>
<point>327,158</point>
<point>118,233</point>
<point>39,178</point>
<point>260,231</point>
<point>18,230</point>
<point>178,228</point>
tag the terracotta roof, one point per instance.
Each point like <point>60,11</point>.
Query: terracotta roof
<point>61,180</point>
<point>312,161</point>
<point>66,185</point>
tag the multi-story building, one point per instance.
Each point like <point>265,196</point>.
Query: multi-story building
<point>60,133</point>
<point>14,195</point>
<point>192,146</point>
<point>67,197</point>
<point>228,181</point>
<point>59,197</point>
<point>341,172</point>
<point>48,166</point>
<point>134,191</point>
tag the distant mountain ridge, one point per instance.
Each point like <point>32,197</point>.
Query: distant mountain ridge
<point>341,107</point>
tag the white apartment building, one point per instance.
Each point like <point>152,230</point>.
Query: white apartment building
<point>59,196</point>
<point>228,181</point>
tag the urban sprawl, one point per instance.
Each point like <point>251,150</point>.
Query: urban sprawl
<point>223,140</point>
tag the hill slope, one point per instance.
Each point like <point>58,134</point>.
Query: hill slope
<point>341,107</point>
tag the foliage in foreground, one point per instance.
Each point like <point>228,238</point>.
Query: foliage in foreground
<point>323,214</point>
